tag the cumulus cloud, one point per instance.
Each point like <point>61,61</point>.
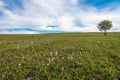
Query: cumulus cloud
<point>42,15</point>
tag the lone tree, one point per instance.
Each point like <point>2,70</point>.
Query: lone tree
<point>104,26</point>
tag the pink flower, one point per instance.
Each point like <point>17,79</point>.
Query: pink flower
<point>28,78</point>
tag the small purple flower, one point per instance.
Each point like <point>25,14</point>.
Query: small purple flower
<point>28,78</point>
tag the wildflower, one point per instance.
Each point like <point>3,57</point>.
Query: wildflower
<point>32,47</point>
<point>28,78</point>
<point>45,71</point>
<point>94,79</point>
<point>51,53</point>
<point>70,57</point>
<point>62,57</point>
<point>80,52</point>
<point>48,64</point>
<point>62,68</point>
<point>49,59</point>
<point>19,65</point>
<point>53,58</point>
<point>80,63</point>
<point>56,53</point>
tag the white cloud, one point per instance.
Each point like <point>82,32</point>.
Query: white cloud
<point>1,4</point>
<point>18,32</point>
<point>38,14</point>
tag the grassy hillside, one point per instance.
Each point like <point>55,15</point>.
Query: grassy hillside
<point>64,56</point>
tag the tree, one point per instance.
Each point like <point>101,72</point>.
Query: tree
<point>104,26</point>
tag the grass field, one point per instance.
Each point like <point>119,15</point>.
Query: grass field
<point>63,56</point>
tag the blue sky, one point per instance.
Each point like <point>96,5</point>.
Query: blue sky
<point>49,16</point>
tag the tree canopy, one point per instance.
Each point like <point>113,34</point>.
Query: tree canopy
<point>104,26</point>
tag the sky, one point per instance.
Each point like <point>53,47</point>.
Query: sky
<point>51,16</point>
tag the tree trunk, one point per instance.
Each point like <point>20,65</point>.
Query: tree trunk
<point>105,33</point>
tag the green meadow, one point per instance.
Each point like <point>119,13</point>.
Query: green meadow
<point>60,56</point>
